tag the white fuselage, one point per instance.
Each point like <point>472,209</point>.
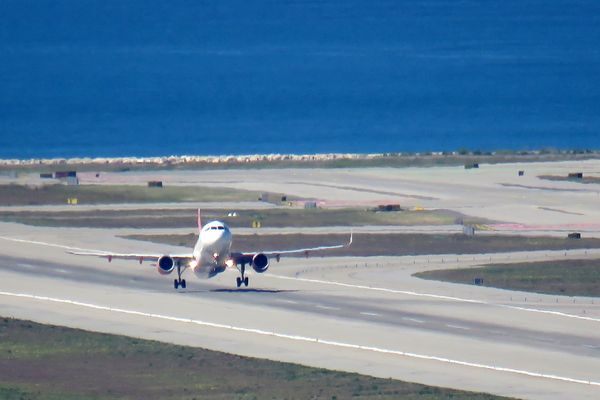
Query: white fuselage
<point>212,250</point>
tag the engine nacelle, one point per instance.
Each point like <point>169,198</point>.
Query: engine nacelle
<point>165,265</point>
<point>260,263</point>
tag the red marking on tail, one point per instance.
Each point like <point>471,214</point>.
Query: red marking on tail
<point>199,221</point>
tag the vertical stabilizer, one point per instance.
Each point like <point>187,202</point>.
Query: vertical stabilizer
<point>199,221</point>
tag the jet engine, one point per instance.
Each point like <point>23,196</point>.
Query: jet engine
<point>260,262</point>
<point>165,265</point>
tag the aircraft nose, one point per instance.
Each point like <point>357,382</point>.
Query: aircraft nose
<point>216,235</point>
<point>213,237</point>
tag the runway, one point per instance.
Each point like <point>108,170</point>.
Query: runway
<point>365,315</point>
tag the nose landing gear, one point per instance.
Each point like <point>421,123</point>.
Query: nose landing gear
<point>239,281</point>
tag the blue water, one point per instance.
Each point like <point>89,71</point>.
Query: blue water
<point>140,77</point>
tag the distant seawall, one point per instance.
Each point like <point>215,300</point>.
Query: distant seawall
<point>328,159</point>
<point>176,160</point>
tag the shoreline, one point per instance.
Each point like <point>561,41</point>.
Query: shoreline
<point>325,160</point>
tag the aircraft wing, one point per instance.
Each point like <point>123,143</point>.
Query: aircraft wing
<point>247,256</point>
<point>132,256</point>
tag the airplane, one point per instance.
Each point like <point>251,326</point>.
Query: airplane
<point>211,255</point>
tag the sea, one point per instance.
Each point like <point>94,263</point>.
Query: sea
<point>110,78</point>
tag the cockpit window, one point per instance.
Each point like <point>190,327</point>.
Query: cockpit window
<point>214,228</point>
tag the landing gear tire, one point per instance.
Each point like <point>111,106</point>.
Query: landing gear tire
<point>243,279</point>
<point>179,282</point>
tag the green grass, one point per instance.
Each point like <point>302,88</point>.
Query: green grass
<point>14,195</point>
<point>568,277</point>
<point>392,244</point>
<point>186,218</point>
<point>42,362</point>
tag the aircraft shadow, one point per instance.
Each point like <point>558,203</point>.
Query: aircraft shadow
<point>252,291</point>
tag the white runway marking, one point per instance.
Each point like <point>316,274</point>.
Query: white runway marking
<point>372,314</point>
<point>306,339</point>
<point>59,246</point>
<point>326,307</point>
<point>458,327</point>
<point>287,301</point>
<point>591,346</point>
<point>437,296</point>
<point>418,321</point>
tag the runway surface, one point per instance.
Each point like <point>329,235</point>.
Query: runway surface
<point>365,315</point>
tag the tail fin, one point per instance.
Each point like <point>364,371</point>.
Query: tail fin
<point>199,221</point>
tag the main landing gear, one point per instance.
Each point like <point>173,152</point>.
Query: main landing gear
<point>179,282</point>
<point>243,279</point>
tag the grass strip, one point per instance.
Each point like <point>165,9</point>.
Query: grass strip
<point>566,277</point>
<point>41,362</point>
<point>274,217</point>
<point>585,179</point>
<point>19,195</point>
